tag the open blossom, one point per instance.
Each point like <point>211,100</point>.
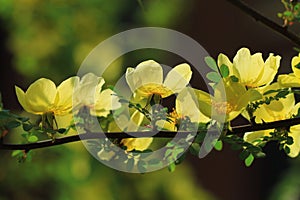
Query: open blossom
<point>147,79</point>
<point>87,92</point>
<point>277,110</point>
<point>251,70</point>
<point>229,100</point>
<point>292,79</point>
<point>43,96</point>
<point>186,105</point>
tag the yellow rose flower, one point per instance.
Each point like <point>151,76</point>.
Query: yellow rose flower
<point>43,96</point>
<point>277,110</point>
<point>251,70</point>
<point>122,123</point>
<point>88,93</point>
<point>186,106</point>
<point>229,103</point>
<point>147,79</point>
<point>292,79</point>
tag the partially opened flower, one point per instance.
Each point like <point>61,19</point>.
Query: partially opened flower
<point>147,79</point>
<point>43,96</point>
<point>277,110</point>
<point>292,79</point>
<point>229,100</point>
<point>87,93</point>
<point>251,70</point>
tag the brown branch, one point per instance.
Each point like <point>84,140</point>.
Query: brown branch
<point>160,134</point>
<point>264,20</point>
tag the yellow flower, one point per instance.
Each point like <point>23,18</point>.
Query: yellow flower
<point>122,123</point>
<point>147,79</point>
<point>186,106</point>
<point>251,70</point>
<point>43,96</point>
<point>229,100</point>
<point>277,110</point>
<point>292,79</point>
<point>88,93</point>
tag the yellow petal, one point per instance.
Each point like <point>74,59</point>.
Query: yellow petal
<point>223,59</point>
<point>147,72</point>
<point>296,61</point>
<point>252,136</point>
<point>139,144</point>
<point>295,147</point>
<point>289,80</point>
<point>85,90</point>
<point>204,101</point>
<point>166,125</point>
<point>270,70</point>
<point>105,102</point>
<point>41,95</point>
<point>22,100</point>
<point>178,77</point>
<point>187,106</point>
<point>64,95</point>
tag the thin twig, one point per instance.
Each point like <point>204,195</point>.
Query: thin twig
<point>160,134</point>
<point>264,20</point>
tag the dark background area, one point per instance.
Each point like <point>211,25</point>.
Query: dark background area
<point>220,28</point>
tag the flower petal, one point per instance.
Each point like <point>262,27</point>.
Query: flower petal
<point>295,62</point>
<point>147,72</point>
<point>64,95</point>
<point>270,69</point>
<point>22,100</point>
<point>41,95</point>
<point>105,102</point>
<point>289,80</point>
<point>178,77</point>
<point>223,59</point>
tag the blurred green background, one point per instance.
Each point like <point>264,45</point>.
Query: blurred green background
<point>51,38</point>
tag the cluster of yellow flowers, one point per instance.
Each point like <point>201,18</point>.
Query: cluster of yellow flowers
<point>247,80</point>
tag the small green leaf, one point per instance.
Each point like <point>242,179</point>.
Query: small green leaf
<point>194,149</point>
<point>61,130</point>
<point>219,145</point>
<point>172,167</point>
<point>244,154</point>
<point>13,124</point>
<point>249,160</point>
<point>211,63</point>
<point>289,140</point>
<point>32,139</point>
<point>287,149</point>
<point>224,71</point>
<point>27,127</point>
<point>142,166</point>
<point>213,76</point>
<point>282,94</point>
<point>270,92</point>
<point>16,153</point>
<point>234,79</point>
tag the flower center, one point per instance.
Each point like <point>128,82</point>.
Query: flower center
<point>153,88</point>
<point>223,107</point>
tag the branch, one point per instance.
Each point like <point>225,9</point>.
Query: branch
<point>161,134</point>
<point>269,23</point>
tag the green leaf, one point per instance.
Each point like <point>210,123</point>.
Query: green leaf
<point>142,166</point>
<point>32,139</point>
<point>172,167</point>
<point>249,160</point>
<point>270,92</point>
<point>244,154</point>
<point>224,71</point>
<point>16,153</point>
<point>4,114</point>
<point>61,130</point>
<point>289,140</point>
<point>219,145</point>
<point>234,79</point>
<point>27,127</point>
<point>282,94</point>
<point>211,63</point>
<point>213,76</point>
<point>130,164</point>
<point>13,124</point>
<point>194,149</point>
